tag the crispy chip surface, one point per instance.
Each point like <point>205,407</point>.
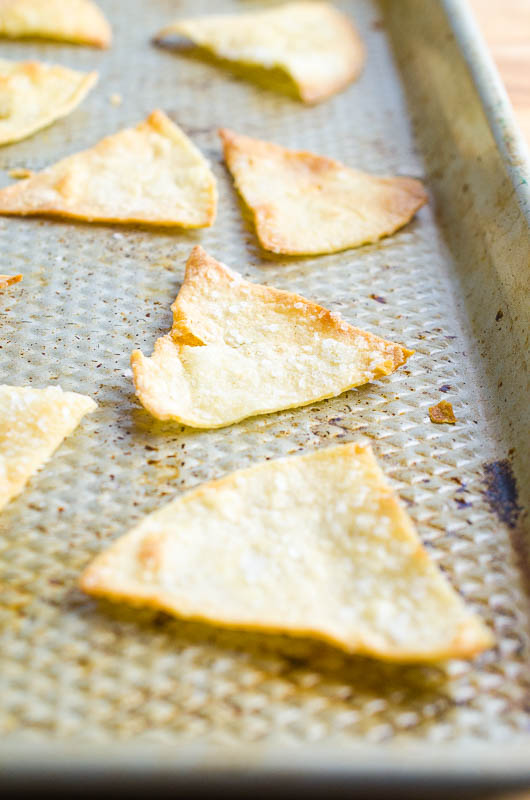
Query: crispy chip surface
<point>237,349</point>
<point>312,42</point>
<point>315,545</point>
<point>151,174</point>
<point>33,423</point>
<point>78,21</point>
<point>306,204</point>
<point>33,95</point>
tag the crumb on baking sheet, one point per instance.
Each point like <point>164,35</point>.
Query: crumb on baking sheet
<point>442,412</point>
<point>20,172</point>
<point>8,280</point>
<point>116,99</point>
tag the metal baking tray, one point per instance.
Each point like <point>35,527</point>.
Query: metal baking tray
<point>102,690</point>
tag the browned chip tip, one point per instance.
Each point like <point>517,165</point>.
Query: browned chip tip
<point>442,412</point>
<point>7,280</point>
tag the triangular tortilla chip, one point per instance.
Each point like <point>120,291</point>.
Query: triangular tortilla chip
<point>78,21</point>
<point>8,280</point>
<point>313,43</point>
<point>307,204</point>
<point>33,95</point>
<point>33,423</point>
<point>315,545</point>
<point>238,349</point>
<point>151,174</point>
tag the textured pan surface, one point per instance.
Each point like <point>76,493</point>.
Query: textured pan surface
<point>73,669</point>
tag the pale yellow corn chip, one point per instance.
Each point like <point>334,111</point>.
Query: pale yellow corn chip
<point>33,423</point>
<point>237,349</point>
<point>315,545</point>
<point>78,21</point>
<point>312,42</point>
<point>307,204</point>
<point>33,95</point>
<point>151,174</point>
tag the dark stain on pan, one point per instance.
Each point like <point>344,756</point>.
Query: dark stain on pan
<point>502,497</point>
<point>462,503</point>
<point>501,491</point>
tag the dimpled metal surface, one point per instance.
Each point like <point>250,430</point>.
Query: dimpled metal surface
<point>73,668</point>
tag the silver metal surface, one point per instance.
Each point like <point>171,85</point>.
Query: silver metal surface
<point>90,684</point>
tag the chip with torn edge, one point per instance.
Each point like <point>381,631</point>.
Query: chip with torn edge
<point>237,349</point>
<point>33,95</point>
<point>315,45</point>
<point>151,174</point>
<point>9,280</point>
<point>315,545</point>
<point>77,21</point>
<point>305,204</point>
<point>33,423</point>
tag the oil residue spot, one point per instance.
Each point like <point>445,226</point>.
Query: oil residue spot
<point>501,491</point>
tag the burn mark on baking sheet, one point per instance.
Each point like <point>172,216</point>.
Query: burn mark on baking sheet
<point>502,497</point>
<point>501,491</point>
<point>462,503</point>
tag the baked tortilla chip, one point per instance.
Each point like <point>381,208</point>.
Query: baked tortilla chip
<point>33,423</point>
<point>314,44</point>
<point>78,21</point>
<point>305,204</point>
<point>237,349</point>
<point>33,95</point>
<point>151,174</point>
<point>315,545</point>
<point>9,280</point>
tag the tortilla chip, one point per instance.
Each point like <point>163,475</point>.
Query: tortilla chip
<point>33,95</point>
<point>315,545</point>
<point>237,349</point>
<point>304,204</point>
<point>442,412</point>
<point>8,280</point>
<point>78,21</point>
<point>151,174</point>
<point>33,423</point>
<point>315,45</point>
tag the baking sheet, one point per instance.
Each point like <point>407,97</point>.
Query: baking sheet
<point>101,676</point>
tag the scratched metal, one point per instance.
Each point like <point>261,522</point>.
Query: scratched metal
<point>74,670</point>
